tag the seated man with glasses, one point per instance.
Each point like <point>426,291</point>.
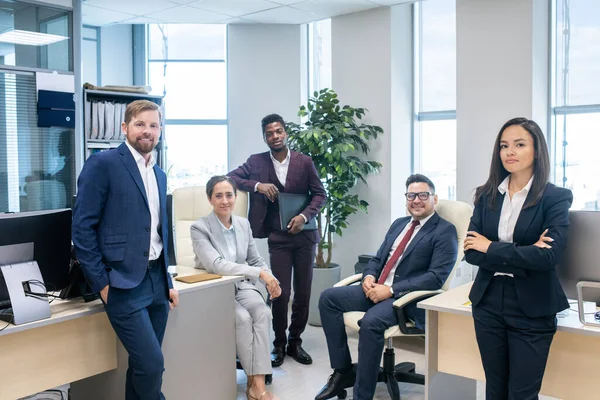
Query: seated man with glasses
<point>418,253</point>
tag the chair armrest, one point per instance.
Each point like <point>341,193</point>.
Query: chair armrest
<point>407,299</point>
<point>416,295</point>
<point>349,280</point>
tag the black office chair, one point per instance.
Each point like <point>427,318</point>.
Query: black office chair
<point>268,377</point>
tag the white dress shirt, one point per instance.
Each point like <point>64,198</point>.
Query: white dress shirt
<point>281,168</point>
<point>511,208</point>
<point>230,239</point>
<point>389,281</point>
<point>151,186</point>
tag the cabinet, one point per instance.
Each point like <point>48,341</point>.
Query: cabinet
<point>104,112</point>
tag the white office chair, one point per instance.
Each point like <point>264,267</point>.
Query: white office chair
<point>189,204</point>
<point>458,214</point>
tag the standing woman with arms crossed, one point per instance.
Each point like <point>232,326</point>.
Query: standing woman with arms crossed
<point>517,234</point>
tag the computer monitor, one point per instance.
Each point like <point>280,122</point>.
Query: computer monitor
<point>50,233</point>
<point>581,260</point>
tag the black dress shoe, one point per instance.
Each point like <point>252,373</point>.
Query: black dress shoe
<point>337,382</point>
<point>298,354</point>
<point>277,356</point>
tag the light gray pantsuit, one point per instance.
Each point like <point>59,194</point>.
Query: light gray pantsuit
<point>253,323</point>
<point>253,316</point>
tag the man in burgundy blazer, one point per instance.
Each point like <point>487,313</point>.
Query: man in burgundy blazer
<point>264,176</point>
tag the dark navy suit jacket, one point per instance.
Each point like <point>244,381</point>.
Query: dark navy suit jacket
<point>427,260</point>
<point>302,178</point>
<point>536,282</point>
<point>111,220</point>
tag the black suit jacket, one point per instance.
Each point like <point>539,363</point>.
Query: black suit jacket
<point>427,260</point>
<point>534,269</point>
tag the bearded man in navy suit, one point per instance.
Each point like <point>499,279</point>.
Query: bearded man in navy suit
<point>120,233</point>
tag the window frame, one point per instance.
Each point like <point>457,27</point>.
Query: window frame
<point>181,121</point>
<point>559,146</point>
<point>420,116</point>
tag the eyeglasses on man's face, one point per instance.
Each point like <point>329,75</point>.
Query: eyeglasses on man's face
<point>423,196</point>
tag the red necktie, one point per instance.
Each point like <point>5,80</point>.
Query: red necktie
<point>397,253</point>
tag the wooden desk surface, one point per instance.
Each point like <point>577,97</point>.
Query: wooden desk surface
<point>65,310</point>
<point>452,300</point>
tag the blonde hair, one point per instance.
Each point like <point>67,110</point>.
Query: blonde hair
<point>139,106</point>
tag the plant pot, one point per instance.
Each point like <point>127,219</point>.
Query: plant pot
<point>323,278</point>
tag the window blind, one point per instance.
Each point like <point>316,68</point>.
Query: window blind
<point>37,165</point>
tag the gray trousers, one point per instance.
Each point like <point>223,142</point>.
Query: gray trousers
<point>253,323</point>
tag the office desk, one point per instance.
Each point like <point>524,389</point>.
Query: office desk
<point>453,361</point>
<point>77,345</point>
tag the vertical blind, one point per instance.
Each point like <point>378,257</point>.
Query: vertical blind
<point>37,168</point>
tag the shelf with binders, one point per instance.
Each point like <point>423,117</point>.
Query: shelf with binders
<point>104,111</point>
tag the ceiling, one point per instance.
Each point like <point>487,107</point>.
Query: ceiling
<point>106,12</point>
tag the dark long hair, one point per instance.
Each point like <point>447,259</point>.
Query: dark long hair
<point>541,165</point>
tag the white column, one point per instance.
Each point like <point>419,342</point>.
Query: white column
<point>502,72</point>
<point>372,68</point>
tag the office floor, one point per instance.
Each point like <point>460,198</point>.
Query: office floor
<point>294,381</point>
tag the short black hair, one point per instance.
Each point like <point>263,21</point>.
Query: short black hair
<point>416,178</point>
<point>269,119</point>
<point>210,185</point>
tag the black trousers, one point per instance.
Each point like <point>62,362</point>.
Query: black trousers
<point>514,347</point>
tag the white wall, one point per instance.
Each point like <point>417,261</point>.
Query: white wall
<point>370,70</point>
<point>263,77</point>
<point>116,54</point>
<point>502,72</point>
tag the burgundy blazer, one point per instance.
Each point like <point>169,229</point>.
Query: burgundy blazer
<point>302,178</point>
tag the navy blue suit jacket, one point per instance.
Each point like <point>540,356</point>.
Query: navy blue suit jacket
<point>427,260</point>
<point>536,282</point>
<point>111,220</point>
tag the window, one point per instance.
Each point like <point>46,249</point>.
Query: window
<point>319,55</point>
<point>35,36</point>
<point>90,49</point>
<point>576,100</point>
<point>435,94</point>
<point>37,169</point>
<point>186,64</point>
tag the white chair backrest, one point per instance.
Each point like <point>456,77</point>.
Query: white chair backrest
<point>189,204</point>
<point>458,213</point>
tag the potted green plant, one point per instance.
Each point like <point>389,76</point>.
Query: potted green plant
<point>337,140</point>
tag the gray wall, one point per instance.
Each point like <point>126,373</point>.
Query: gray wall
<point>502,72</point>
<point>263,77</point>
<point>371,68</point>
<point>116,54</point>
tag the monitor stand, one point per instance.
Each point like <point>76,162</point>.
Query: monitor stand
<point>26,307</point>
<point>580,286</point>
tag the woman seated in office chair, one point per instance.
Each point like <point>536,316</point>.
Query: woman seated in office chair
<point>223,245</point>
<point>517,234</point>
